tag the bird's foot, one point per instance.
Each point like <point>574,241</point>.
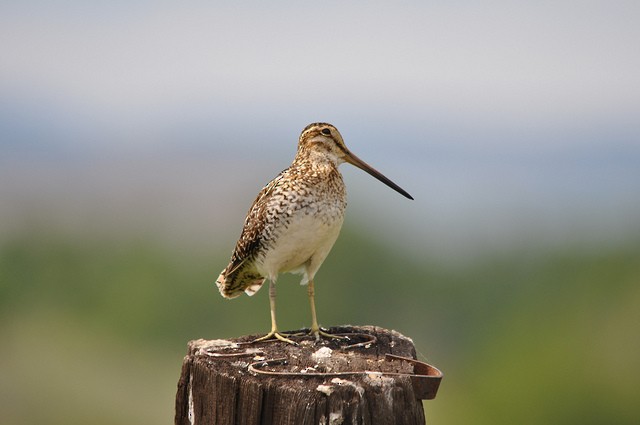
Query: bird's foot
<point>318,332</point>
<point>274,334</point>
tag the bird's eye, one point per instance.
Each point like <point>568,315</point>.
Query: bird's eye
<point>326,132</point>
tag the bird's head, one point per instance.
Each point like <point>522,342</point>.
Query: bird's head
<point>322,141</point>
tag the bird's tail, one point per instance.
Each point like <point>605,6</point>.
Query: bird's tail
<point>237,279</point>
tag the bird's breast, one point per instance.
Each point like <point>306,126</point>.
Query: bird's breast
<point>299,232</point>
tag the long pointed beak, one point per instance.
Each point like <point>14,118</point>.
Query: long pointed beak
<point>354,160</point>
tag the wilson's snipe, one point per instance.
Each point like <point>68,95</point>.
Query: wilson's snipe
<point>295,220</point>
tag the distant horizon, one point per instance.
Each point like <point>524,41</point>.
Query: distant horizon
<point>461,209</point>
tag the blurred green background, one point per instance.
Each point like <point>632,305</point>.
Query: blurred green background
<point>94,328</point>
<point>134,136</point>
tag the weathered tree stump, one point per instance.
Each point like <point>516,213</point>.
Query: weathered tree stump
<point>368,379</point>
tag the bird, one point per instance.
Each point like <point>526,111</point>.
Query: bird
<point>294,222</point>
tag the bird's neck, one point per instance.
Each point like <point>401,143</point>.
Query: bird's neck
<point>317,160</point>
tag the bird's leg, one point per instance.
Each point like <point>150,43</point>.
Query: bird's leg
<point>315,328</point>
<point>274,327</point>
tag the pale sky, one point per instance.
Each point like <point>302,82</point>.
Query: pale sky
<point>136,67</point>
<point>491,109</point>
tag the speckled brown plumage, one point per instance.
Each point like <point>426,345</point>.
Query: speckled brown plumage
<point>295,219</point>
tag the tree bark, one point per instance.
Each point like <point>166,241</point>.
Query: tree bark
<point>327,382</point>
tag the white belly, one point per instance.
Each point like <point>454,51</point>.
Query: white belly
<point>301,247</point>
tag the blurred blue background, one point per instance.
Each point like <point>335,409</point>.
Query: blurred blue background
<point>134,136</point>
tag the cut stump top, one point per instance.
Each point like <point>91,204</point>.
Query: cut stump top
<point>369,378</point>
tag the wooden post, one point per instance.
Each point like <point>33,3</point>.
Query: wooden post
<point>326,382</point>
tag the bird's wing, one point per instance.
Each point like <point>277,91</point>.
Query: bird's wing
<point>253,226</point>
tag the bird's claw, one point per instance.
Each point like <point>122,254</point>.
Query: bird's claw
<point>275,335</point>
<point>317,333</point>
